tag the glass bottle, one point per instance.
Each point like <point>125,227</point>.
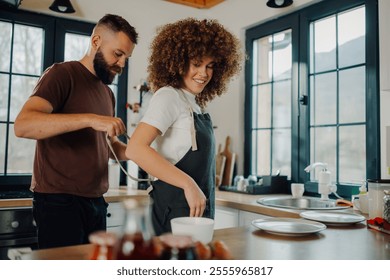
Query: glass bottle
<point>177,247</point>
<point>137,239</point>
<point>104,243</point>
<point>386,206</point>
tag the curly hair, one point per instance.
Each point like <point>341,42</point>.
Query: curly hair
<point>190,39</point>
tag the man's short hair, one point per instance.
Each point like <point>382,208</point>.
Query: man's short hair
<point>117,24</point>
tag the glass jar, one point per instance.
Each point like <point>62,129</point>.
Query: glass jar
<point>104,243</point>
<point>252,180</point>
<point>236,179</point>
<point>386,206</point>
<point>137,238</point>
<point>177,247</point>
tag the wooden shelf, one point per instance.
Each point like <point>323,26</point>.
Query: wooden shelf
<point>201,4</point>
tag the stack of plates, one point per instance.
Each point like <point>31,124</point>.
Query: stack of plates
<point>332,217</point>
<point>289,227</point>
<point>313,222</point>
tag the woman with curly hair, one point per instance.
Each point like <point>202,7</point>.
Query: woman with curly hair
<point>190,64</point>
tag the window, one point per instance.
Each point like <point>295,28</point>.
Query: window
<point>337,94</point>
<point>21,64</point>
<point>309,83</point>
<point>30,43</point>
<point>271,104</point>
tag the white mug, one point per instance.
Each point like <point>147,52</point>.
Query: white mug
<point>361,203</point>
<point>297,190</point>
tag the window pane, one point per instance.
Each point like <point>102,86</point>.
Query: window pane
<point>352,88</point>
<point>323,99</point>
<point>254,106</point>
<point>263,154</point>
<point>114,89</point>
<point>21,154</point>
<point>75,46</point>
<point>3,128</point>
<point>282,59</point>
<point>282,104</point>
<point>352,154</point>
<point>3,97</point>
<point>28,50</point>
<point>22,87</point>
<point>351,37</point>
<point>324,56</point>
<point>5,45</point>
<point>264,106</point>
<point>323,149</point>
<point>281,151</point>
<point>262,60</point>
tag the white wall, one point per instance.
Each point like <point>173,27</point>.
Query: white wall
<point>384,23</point>
<point>237,15</point>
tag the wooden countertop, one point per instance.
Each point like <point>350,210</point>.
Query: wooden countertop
<point>247,243</point>
<point>247,202</point>
<point>240,201</point>
<point>341,242</point>
<point>113,195</point>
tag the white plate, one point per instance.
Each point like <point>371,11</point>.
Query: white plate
<point>334,218</point>
<point>287,226</point>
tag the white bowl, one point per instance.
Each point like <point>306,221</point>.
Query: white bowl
<point>199,228</point>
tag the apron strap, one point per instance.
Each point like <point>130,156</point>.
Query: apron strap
<point>193,131</point>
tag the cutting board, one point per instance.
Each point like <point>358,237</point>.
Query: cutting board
<point>229,164</point>
<point>220,167</point>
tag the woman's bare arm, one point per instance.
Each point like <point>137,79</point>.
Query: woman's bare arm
<point>139,151</point>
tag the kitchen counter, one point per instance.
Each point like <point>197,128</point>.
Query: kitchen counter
<point>113,195</point>
<point>238,201</point>
<point>335,242</point>
<point>354,242</point>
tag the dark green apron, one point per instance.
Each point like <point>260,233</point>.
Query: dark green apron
<point>169,201</point>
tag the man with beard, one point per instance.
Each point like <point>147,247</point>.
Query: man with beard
<point>69,113</point>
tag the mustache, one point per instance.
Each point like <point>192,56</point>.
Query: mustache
<point>117,69</point>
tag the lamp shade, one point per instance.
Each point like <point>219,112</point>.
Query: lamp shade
<point>279,3</point>
<point>62,6</point>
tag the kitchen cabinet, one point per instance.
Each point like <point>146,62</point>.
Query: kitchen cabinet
<point>226,217</point>
<point>115,216</point>
<point>245,218</point>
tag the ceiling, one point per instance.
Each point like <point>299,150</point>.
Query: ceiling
<point>201,4</point>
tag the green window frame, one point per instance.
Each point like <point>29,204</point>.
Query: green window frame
<point>302,77</point>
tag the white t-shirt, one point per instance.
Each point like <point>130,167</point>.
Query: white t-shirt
<point>169,112</point>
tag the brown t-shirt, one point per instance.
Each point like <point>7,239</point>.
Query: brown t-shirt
<point>75,162</point>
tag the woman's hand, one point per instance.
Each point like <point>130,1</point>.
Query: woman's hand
<point>195,199</point>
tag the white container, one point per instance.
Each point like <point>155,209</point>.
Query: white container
<point>297,190</point>
<point>199,228</point>
<point>113,174</point>
<point>375,197</point>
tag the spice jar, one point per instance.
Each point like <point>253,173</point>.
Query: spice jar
<point>386,206</point>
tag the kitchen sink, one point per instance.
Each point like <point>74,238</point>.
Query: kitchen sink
<point>307,203</point>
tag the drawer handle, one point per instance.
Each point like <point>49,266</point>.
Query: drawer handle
<point>15,224</point>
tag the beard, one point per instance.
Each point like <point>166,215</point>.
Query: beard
<point>104,71</point>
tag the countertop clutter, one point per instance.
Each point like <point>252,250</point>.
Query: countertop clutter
<point>246,242</point>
